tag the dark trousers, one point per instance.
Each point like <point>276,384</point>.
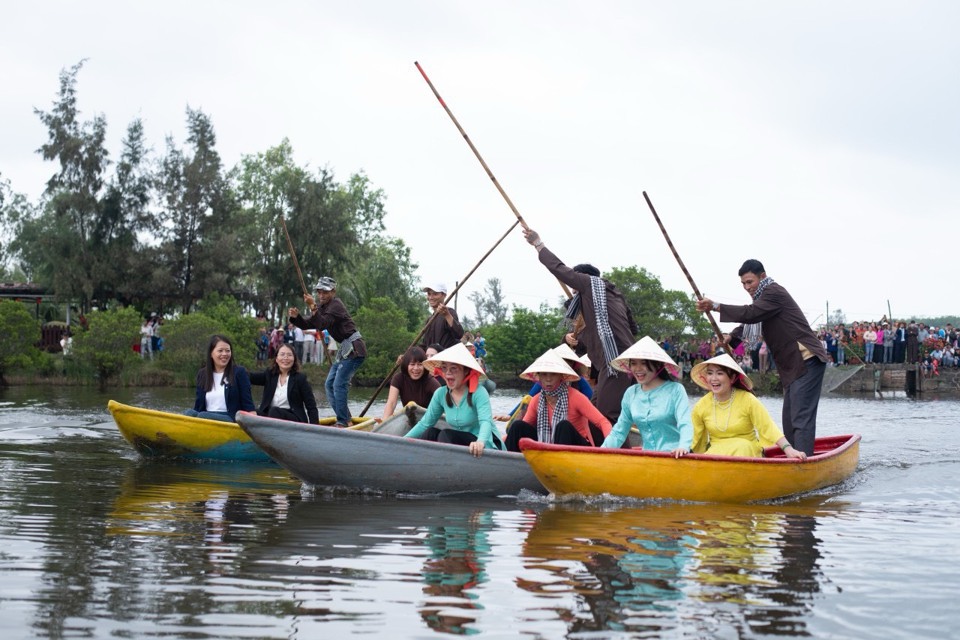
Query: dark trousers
<point>282,414</point>
<point>453,436</point>
<point>800,402</point>
<point>563,433</point>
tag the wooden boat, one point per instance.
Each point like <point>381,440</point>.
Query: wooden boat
<point>172,435</point>
<point>695,477</point>
<point>371,460</point>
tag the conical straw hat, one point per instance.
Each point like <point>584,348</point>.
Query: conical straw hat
<point>457,354</point>
<point>550,362</point>
<point>565,352</point>
<point>645,349</point>
<point>723,360</point>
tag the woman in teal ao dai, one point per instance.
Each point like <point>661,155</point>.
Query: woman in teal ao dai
<point>657,404</point>
<point>730,421</point>
<point>464,404</point>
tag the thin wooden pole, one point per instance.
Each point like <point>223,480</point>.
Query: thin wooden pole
<point>493,178</point>
<point>693,285</point>
<point>434,316</point>
<point>293,254</point>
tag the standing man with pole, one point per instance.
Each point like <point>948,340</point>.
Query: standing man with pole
<point>444,326</point>
<point>608,325</point>
<point>328,312</point>
<point>800,357</point>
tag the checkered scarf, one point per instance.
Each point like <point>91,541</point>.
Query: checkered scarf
<point>544,424</point>
<point>752,332</point>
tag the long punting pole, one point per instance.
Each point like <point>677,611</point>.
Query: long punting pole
<point>492,177</point>
<point>433,316</point>
<point>293,254</point>
<point>693,285</point>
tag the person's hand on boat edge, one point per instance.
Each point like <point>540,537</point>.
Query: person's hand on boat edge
<point>679,453</point>
<point>476,448</point>
<point>789,451</point>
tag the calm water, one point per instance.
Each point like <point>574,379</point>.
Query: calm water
<point>97,543</point>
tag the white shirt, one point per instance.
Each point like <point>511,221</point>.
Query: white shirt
<point>280,398</point>
<point>216,399</point>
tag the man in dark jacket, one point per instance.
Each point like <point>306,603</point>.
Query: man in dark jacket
<point>444,326</point>
<point>607,328</point>
<point>328,312</point>
<point>800,357</point>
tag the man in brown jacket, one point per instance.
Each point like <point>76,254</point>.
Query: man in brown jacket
<point>801,359</point>
<point>607,331</point>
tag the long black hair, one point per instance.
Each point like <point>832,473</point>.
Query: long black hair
<point>205,375</point>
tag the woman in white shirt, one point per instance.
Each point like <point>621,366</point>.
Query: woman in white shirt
<point>287,394</point>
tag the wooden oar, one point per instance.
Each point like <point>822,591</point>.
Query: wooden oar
<point>492,177</point>
<point>293,254</point>
<point>696,291</point>
<point>433,317</point>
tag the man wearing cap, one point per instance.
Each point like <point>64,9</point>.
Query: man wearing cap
<point>608,326</point>
<point>800,357</point>
<point>444,326</point>
<point>328,312</point>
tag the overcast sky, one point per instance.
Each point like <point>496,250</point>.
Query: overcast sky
<point>822,138</point>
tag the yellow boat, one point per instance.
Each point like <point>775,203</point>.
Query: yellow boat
<point>636,473</point>
<point>173,435</point>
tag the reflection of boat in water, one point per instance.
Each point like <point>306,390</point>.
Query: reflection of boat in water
<point>643,474</point>
<point>164,499</point>
<point>627,566</point>
<point>357,459</point>
<point>173,435</point>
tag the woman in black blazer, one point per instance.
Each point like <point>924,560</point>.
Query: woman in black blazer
<point>287,393</point>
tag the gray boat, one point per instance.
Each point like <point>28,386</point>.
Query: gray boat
<point>332,457</point>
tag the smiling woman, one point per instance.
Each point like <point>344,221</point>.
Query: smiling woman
<point>223,387</point>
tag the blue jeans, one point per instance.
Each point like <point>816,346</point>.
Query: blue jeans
<point>868,347</point>
<point>209,415</point>
<point>338,381</point>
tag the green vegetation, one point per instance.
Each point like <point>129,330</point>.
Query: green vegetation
<point>206,246</point>
<point>18,332</point>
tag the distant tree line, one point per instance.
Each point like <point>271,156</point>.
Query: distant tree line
<point>180,234</point>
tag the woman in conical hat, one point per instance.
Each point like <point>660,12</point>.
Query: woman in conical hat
<point>558,414</point>
<point>657,404</point>
<point>730,421</point>
<point>580,364</point>
<point>464,403</point>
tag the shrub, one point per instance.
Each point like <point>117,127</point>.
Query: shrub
<point>107,344</point>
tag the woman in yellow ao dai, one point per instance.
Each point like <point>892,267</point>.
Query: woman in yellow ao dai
<point>730,421</point>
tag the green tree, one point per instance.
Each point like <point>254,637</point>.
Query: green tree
<point>62,244</point>
<point>490,306</point>
<point>198,216</point>
<point>108,342</point>
<point>185,341</point>
<point>384,330</point>
<point>229,316</point>
<point>514,344</point>
<point>659,312</point>
<point>384,270</point>
<point>19,332</point>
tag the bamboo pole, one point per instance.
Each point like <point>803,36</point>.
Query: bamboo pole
<point>293,254</point>
<point>493,178</point>
<point>693,285</point>
<point>433,316</point>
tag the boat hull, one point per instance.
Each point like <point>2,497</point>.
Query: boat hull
<point>642,474</point>
<point>161,434</point>
<point>365,460</point>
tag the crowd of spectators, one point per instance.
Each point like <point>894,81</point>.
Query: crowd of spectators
<point>933,348</point>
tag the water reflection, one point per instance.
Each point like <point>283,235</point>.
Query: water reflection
<point>641,569</point>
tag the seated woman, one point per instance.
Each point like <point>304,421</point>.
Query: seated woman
<point>727,421</point>
<point>432,350</point>
<point>558,414</point>
<point>223,387</point>
<point>411,382</point>
<point>580,366</point>
<point>657,404</point>
<point>463,401</point>
<point>287,394</point>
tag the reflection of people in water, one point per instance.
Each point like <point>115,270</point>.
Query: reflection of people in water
<point>456,565</point>
<point>634,564</point>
